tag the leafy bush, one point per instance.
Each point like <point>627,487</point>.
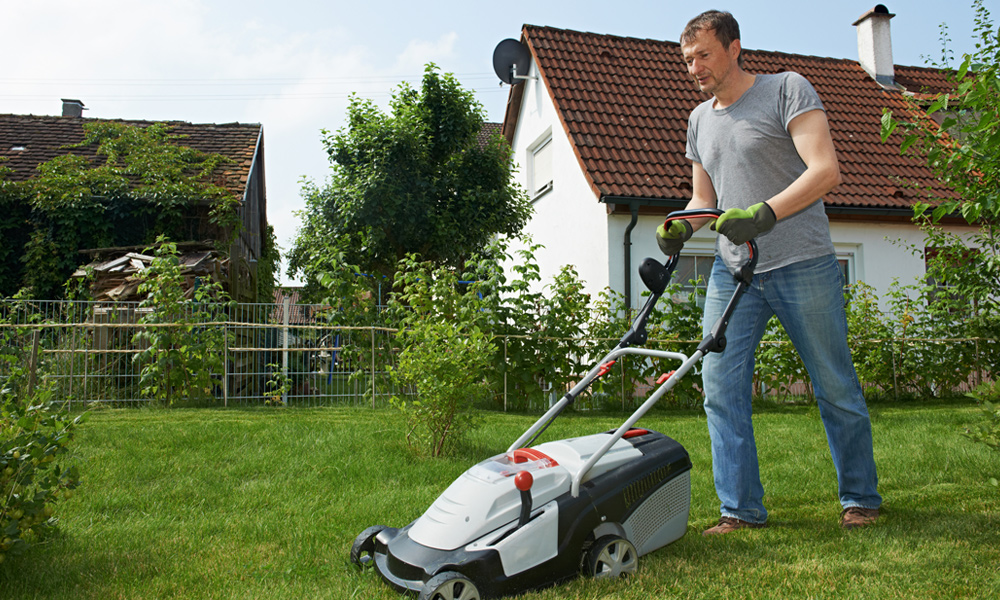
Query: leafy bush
<point>987,429</point>
<point>34,433</point>
<point>445,353</point>
<point>538,324</point>
<point>674,324</point>
<point>32,440</point>
<point>180,359</point>
<point>870,339</point>
<point>778,366</point>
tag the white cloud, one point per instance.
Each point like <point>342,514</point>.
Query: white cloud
<point>420,52</point>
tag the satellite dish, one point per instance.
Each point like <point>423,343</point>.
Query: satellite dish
<point>511,61</point>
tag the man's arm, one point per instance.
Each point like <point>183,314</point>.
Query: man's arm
<point>811,136</point>
<point>702,194</point>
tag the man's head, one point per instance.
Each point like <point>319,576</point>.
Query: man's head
<point>713,53</point>
<point>722,24</point>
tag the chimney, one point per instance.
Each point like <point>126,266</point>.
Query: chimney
<point>72,108</point>
<point>875,45</point>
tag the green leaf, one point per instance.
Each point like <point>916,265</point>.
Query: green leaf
<point>907,142</point>
<point>938,104</point>
<point>888,124</point>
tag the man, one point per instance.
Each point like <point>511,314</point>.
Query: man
<point>761,151</point>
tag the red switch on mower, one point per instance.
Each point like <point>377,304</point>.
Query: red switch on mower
<point>523,481</point>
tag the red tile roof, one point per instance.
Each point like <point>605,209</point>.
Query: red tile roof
<point>27,141</point>
<point>487,131</point>
<point>624,103</point>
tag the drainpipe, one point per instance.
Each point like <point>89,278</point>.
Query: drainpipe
<point>634,208</point>
<point>634,204</point>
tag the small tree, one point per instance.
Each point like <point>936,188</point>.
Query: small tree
<point>180,358</point>
<point>445,352</point>
<point>964,152</point>
<point>413,181</point>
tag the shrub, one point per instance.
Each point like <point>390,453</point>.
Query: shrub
<point>987,429</point>
<point>539,324</point>
<point>444,356</point>
<point>32,481</point>
<point>870,339</point>
<point>181,358</point>
<point>778,366</point>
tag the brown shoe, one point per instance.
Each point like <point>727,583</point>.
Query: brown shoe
<point>728,524</point>
<point>856,516</point>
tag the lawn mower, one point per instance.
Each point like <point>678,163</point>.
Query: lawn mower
<point>538,515</point>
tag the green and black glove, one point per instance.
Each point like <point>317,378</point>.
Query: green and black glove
<point>742,225</point>
<point>671,239</point>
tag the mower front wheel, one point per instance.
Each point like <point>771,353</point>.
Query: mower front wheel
<point>611,556</point>
<point>363,549</point>
<point>449,585</point>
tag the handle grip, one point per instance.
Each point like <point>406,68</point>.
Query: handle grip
<point>746,271</point>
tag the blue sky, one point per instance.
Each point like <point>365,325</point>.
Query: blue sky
<point>291,65</point>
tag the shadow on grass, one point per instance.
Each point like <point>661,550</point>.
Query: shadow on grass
<point>65,562</point>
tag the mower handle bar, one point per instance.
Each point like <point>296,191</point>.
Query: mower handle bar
<point>746,271</point>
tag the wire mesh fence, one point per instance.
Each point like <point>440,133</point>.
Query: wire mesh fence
<point>88,352</point>
<point>288,354</point>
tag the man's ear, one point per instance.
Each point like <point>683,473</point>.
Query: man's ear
<point>735,47</point>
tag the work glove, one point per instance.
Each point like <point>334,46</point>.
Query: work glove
<point>671,239</point>
<point>742,225</point>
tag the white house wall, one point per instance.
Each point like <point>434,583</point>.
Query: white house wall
<point>878,253</point>
<point>569,221</point>
<point>883,252</point>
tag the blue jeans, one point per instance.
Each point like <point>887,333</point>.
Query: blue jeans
<point>808,299</point>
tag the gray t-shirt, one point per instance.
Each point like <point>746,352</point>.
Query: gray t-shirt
<point>748,153</point>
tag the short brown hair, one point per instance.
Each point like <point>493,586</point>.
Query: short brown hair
<point>723,24</point>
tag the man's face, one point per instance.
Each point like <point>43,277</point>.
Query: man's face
<point>708,62</point>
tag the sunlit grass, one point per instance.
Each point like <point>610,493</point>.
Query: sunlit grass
<point>265,504</point>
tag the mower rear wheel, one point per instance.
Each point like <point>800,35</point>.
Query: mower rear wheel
<point>611,556</point>
<point>449,585</point>
<point>363,549</point>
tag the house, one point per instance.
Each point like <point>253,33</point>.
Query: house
<point>27,141</point>
<point>598,127</point>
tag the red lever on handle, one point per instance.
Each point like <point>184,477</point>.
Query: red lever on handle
<point>664,377</point>
<point>605,368</point>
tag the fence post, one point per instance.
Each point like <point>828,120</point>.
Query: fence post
<point>225,366</point>
<point>72,366</point>
<point>505,338</point>
<point>33,361</point>
<point>895,376</point>
<point>284,352</point>
<point>977,377</point>
<point>373,366</point>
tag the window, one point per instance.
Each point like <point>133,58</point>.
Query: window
<point>845,264</point>
<point>937,264</point>
<point>540,166</point>
<point>693,272</point>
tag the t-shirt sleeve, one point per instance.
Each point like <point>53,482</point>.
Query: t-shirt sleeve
<point>691,152</point>
<point>799,97</point>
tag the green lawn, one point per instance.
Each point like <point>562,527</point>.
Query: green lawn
<point>264,503</point>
